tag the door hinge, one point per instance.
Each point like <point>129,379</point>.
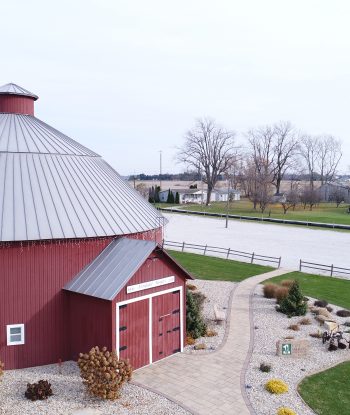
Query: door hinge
<point>122,328</point>
<point>176,311</point>
<point>176,350</point>
<point>176,328</point>
<point>123,306</point>
<point>123,348</point>
<point>168,331</point>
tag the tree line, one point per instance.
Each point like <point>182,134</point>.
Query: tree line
<point>259,165</point>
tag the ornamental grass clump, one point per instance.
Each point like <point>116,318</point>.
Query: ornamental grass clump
<point>276,386</point>
<point>103,373</point>
<point>2,366</point>
<point>294,304</point>
<point>285,411</point>
<point>281,293</point>
<point>269,290</point>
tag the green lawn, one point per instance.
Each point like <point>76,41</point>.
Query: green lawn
<point>324,212</point>
<point>211,268</point>
<point>334,290</point>
<point>328,393</point>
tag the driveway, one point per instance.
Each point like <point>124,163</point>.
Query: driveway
<point>291,243</point>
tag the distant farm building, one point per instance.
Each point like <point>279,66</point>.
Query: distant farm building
<point>199,196</point>
<point>80,260</point>
<point>329,190</point>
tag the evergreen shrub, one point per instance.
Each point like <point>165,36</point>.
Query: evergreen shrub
<point>294,304</point>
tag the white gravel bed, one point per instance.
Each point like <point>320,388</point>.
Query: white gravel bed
<point>69,395</point>
<point>270,326</point>
<point>217,292</point>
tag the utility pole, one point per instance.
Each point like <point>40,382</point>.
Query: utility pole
<point>160,169</point>
<point>228,202</point>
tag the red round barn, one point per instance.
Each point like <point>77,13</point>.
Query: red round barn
<point>80,260</point>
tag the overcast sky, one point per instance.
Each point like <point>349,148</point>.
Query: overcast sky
<point>128,78</point>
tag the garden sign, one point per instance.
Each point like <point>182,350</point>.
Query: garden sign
<point>293,347</point>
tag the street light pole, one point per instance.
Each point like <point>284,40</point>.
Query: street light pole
<point>227,202</point>
<point>160,169</point>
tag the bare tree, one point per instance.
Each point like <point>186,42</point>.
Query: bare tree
<point>309,151</point>
<point>329,155</point>
<point>143,190</point>
<point>209,148</point>
<point>273,149</point>
<point>310,196</point>
<point>285,150</point>
<point>291,200</point>
<point>337,196</point>
<point>261,142</point>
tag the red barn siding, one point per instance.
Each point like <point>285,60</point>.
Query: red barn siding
<point>16,104</point>
<point>152,270</point>
<point>32,276</point>
<point>90,321</point>
<point>135,318</point>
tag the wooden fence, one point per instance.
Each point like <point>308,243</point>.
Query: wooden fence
<point>332,269</point>
<point>227,253</point>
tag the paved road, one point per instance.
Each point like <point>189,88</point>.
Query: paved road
<point>292,243</point>
<point>211,383</point>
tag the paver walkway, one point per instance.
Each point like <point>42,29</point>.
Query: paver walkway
<point>211,383</point>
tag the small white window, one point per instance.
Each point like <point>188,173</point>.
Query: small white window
<point>15,334</point>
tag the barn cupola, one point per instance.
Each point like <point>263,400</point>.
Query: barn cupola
<point>16,100</point>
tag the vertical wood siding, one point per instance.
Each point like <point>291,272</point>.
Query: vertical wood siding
<point>32,276</point>
<point>16,104</point>
<point>157,266</point>
<point>90,323</point>
<point>133,340</point>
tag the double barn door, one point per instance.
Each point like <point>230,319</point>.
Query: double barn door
<point>150,329</point>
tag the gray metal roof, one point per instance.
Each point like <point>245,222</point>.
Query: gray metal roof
<point>106,275</point>
<point>13,89</point>
<point>51,187</point>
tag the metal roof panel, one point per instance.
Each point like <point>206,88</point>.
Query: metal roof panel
<point>107,274</point>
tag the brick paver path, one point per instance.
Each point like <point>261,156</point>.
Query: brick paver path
<point>211,384</point>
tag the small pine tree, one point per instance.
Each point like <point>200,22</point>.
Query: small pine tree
<point>294,304</point>
<point>156,194</point>
<point>195,325</point>
<point>168,200</point>
<point>177,198</point>
<point>172,200</point>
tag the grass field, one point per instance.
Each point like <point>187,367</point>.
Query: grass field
<point>334,290</point>
<point>324,212</point>
<point>211,268</point>
<point>328,393</point>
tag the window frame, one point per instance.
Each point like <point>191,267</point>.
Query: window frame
<point>8,331</point>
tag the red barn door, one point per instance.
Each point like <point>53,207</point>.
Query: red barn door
<point>134,333</point>
<point>166,325</point>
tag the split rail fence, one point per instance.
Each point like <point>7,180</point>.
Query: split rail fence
<point>227,253</point>
<point>332,269</point>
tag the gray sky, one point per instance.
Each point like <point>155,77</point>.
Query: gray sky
<point>128,78</point>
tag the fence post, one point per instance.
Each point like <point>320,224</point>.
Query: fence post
<point>279,262</point>
<point>205,249</point>
<point>183,246</point>
<point>228,253</point>
<point>300,266</point>
<point>332,270</point>
<point>252,258</point>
